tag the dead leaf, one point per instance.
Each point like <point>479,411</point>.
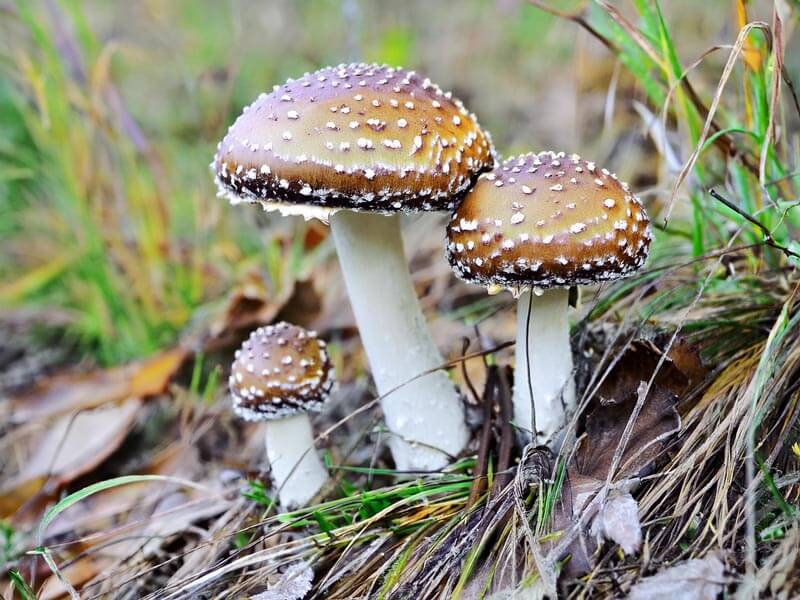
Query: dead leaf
<point>250,304</point>
<point>618,521</point>
<point>615,516</point>
<point>616,399</point>
<point>67,393</point>
<point>686,357</point>
<point>141,516</point>
<point>303,307</point>
<point>698,579</point>
<point>70,447</point>
<point>293,584</point>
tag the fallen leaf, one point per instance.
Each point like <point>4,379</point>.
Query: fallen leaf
<point>250,304</point>
<point>614,404</point>
<point>293,584</point>
<point>618,521</point>
<point>73,445</point>
<point>141,516</point>
<point>303,307</point>
<point>612,513</point>
<point>70,392</point>
<point>698,579</point>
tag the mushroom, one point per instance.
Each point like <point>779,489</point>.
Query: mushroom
<point>356,145</point>
<point>539,224</point>
<point>279,375</point>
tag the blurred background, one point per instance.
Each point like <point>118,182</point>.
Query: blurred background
<point>111,236</point>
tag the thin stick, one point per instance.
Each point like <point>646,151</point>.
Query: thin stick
<point>768,239</point>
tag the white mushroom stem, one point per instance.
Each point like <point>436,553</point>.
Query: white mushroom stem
<point>297,471</point>
<point>543,382</point>
<point>425,416</point>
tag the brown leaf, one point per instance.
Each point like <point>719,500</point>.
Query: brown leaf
<point>69,448</point>
<point>686,357</point>
<point>250,304</point>
<point>616,400</point>
<point>615,516</point>
<point>70,392</point>
<point>303,307</point>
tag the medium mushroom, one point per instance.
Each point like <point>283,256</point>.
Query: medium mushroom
<point>279,375</point>
<point>357,145</point>
<point>539,224</point>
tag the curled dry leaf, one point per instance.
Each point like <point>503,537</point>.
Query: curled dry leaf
<point>602,512</point>
<point>249,305</point>
<point>72,446</point>
<point>699,579</point>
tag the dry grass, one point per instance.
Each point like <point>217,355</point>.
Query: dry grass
<point>726,484</point>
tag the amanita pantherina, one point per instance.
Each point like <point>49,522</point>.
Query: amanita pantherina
<point>281,373</point>
<point>357,144</point>
<point>539,224</point>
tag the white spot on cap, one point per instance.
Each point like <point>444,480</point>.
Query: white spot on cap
<point>293,114</point>
<point>609,203</point>
<point>287,135</point>
<point>577,227</point>
<point>517,218</point>
<point>526,190</point>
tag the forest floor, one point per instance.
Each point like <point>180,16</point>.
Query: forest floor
<point>124,472</point>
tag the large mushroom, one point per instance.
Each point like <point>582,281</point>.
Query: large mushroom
<point>279,375</point>
<point>539,224</point>
<point>356,145</point>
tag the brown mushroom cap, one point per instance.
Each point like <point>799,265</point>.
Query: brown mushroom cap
<point>280,370</point>
<point>358,136</point>
<point>546,220</point>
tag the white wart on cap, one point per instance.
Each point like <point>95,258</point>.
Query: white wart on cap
<point>358,136</point>
<point>547,220</point>
<point>280,370</point>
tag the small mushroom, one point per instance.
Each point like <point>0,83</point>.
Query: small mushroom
<point>356,145</point>
<point>539,224</point>
<point>279,375</point>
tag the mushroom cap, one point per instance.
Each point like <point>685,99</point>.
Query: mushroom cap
<point>547,220</point>
<point>358,136</point>
<point>279,371</point>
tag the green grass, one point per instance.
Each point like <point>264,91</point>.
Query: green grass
<point>97,222</point>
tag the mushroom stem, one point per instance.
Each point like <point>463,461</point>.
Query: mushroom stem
<point>297,476</point>
<point>425,415</point>
<point>543,364</point>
